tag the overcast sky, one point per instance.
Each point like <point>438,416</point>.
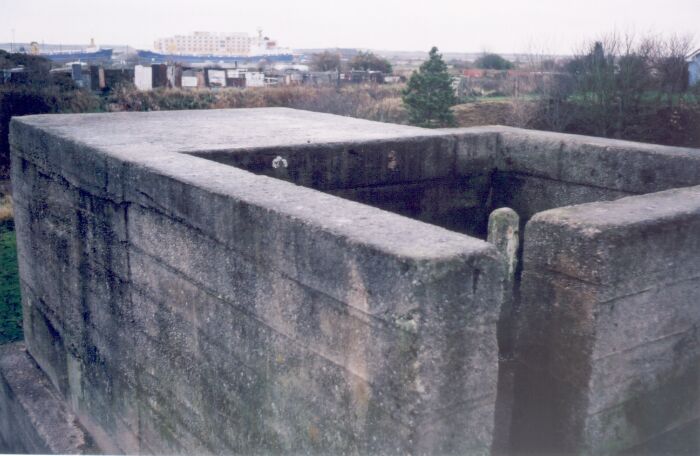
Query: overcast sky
<point>555,26</point>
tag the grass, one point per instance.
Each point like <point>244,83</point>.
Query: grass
<point>10,303</point>
<point>503,98</point>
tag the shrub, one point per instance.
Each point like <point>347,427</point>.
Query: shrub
<point>493,62</point>
<point>20,100</point>
<point>429,94</point>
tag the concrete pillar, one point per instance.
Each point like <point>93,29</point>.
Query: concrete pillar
<point>504,233</point>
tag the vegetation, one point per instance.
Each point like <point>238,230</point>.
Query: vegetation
<point>325,61</point>
<point>367,101</point>
<point>493,62</point>
<point>25,99</point>
<point>429,94</point>
<point>10,304</point>
<point>39,93</point>
<point>617,87</point>
<point>622,87</point>
<point>370,61</point>
<point>39,67</point>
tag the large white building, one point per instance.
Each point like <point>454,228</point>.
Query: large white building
<point>206,43</point>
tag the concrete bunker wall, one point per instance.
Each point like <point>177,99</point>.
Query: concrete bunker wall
<point>540,171</point>
<point>606,319</point>
<point>183,299</point>
<point>608,349</point>
<point>195,307</point>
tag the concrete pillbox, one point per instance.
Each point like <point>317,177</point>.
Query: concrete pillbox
<point>273,280</point>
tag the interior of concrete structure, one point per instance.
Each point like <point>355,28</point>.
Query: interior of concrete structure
<point>459,203</point>
<point>460,200</point>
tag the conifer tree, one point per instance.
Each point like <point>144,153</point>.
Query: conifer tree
<point>429,94</point>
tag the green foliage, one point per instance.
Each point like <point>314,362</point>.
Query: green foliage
<point>35,62</point>
<point>37,67</point>
<point>10,303</point>
<point>325,61</point>
<point>493,62</point>
<point>38,93</point>
<point>429,94</point>
<point>370,61</point>
<point>621,85</point>
<point>24,99</point>
<point>624,87</point>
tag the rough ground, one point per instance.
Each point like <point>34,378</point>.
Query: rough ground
<point>482,113</point>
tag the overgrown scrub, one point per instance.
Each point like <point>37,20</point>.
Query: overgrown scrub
<point>24,99</point>
<point>370,101</point>
<point>677,125</point>
<point>625,87</point>
<point>40,92</point>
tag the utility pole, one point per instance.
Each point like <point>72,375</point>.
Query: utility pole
<point>12,43</point>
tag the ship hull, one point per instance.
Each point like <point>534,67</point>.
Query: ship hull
<point>154,57</point>
<point>64,57</point>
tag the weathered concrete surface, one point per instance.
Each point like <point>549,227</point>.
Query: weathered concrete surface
<point>188,306</point>
<point>504,233</point>
<point>33,418</point>
<point>616,165</point>
<point>184,295</point>
<point>609,348</point>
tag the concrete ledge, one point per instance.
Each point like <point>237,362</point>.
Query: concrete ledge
<point>600,162</point>
<point>33,419</point>
<point>606,234</point>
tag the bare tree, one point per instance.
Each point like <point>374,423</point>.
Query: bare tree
<point>625,86</point>
<point>325,61</point>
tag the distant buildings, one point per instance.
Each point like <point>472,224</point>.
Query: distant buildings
<point>207,43</point>
<point>148,77</point>
<point>143,77</point>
